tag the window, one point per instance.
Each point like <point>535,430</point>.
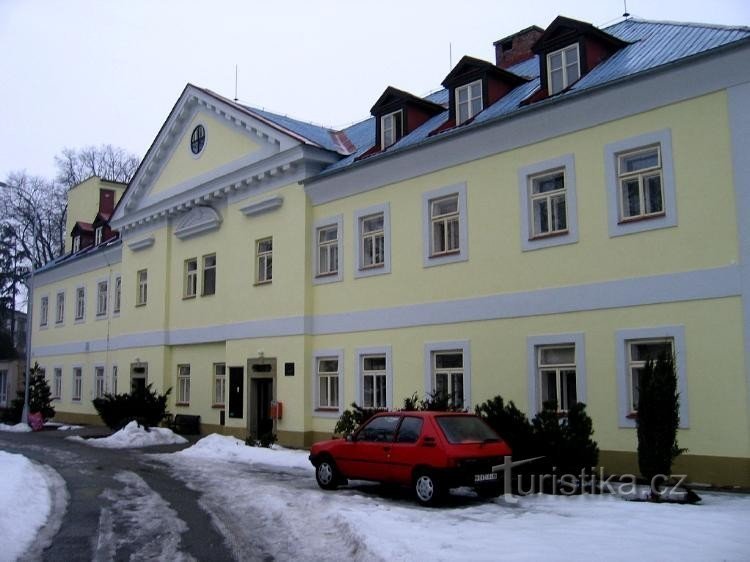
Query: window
<point>60,314</point>
<point>114,379</point>
<point>468,101</point>
<point>183,384</point>
<point>142,288</point>
<point>372,237</point>
<point>98,234</point>
<point>328,250</point>
<point>634,347</point>
<point>80,303</point>
<point>556,371</point>
<point>57,384</point>
<point>563,69</point>
<point>548,210</point>
<point>3,388</point>
<point>327,371</point>
<point>382,429</point>
<point>220,382</point>
<point>209,275</point>
<point>102,293</point>
<point>264,260</point>
<point>640,183</point>
<point>448,376</point>
<point>118,294</point>
<point>99,387</point>
<point>198,139</point>
<point>43,311</point>
<point>77,383</point>
<point>190,282</point>
<point>410,430</point>
<point>76,243</point>
<point>445,232</point>
<point>391,128</point>
<point>374,381</point>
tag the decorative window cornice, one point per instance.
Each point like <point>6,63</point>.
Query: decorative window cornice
<point>265,206</point>
<point>198,220</point>
<point>141,244</point>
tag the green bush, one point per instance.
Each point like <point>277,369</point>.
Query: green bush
<point>40,397</point>
<point>265,440</point>
<point>352,419</point>
<point>144,406</point>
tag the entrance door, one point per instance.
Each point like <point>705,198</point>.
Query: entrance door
<point>236,380</point>
<point>261,390</point>
<point>138,377</point>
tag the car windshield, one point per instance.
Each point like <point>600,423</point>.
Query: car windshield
<point>466,429</point>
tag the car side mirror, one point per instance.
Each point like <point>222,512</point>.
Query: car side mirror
<point>350,437</point>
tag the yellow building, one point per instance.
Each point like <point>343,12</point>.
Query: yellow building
<point>536,229</point>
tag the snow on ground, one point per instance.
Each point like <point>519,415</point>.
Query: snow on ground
<point>26,496</point>
<point>69,427</point>
<point>17,428</point>
<point>250,490</point>
<point>133,435</point>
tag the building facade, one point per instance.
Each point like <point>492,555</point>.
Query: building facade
<point>539,228</point>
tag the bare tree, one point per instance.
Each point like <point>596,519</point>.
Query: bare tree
<point>106,161</point>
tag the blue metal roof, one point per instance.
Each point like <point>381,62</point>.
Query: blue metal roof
<point>317,134</point>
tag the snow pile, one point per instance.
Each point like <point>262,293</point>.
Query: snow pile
<point>134,435</point>
<point>25,503</point>
<point>18,428</point>
<point>230,448</point>
<point>69,427</point>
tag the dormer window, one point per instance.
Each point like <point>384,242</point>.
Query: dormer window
<point>468,101</point>
<point>98,235</point>
<point>563,68</point>
<point>391,128</point>
<point>76,243</point>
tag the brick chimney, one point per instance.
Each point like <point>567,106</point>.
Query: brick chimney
<point>517,47</point>
<point>106,201</point>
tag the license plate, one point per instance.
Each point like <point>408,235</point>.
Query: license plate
<point>485,477</point>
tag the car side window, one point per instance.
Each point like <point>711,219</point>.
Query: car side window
<point>379,429</point>
<point>410,430</point>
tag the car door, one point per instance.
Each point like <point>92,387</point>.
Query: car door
<point>405,452</point>
<point>366,456</point>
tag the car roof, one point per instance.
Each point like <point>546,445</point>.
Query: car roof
<point>423,414</point>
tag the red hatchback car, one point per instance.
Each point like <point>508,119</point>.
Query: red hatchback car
<point>429,451</point>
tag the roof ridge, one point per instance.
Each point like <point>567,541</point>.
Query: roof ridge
<point>682,24</point>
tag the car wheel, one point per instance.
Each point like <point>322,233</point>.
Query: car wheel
<point>327,475</point>
<point>427,489</point>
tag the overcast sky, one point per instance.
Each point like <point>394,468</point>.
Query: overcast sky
<point>75,73</point>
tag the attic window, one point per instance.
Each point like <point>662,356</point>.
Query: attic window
<point>98,235</point>
<point>468,101</point>
<point>76,243</point>
<point>563,68</point>
<point>198,139</point>
<point>391,128</point>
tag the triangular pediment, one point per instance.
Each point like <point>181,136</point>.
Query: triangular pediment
<point>564,30</point>
<point>185,166</point>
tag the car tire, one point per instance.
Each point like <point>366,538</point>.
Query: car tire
<point>327,475</point>
<point>428,489</point>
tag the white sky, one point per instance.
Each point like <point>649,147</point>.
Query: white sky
<point>79,72</point>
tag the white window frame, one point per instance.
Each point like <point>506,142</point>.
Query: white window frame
<point>433,348</point>
<point>44,311</point>
<point>208,270</point>
<point>183,384</point>
<point>190,278</point>
<point>76,247</point>
<point>117,304</point>
<point>533,344</point>
<point>328,412</point>
<point>469,113</point>
<point>59,308</point>
<point>526,174</point>
<point>98,235</point>
<point>618,227</point>
<point>381,269</point>
<point>57,383</point>
<point>326,277</point>
<point>640,176</point>
<point>4,388</point>
<point>100,382</point>
<point>79,312</point>
<point>141,287</point>
<point>113,383</point>
<point>622,341</point>
<point>102,298</point>
<point>384,351</point>
<point>566,80</point>
<point>262,261</point>
<point>389,122</point>
<point>77,383</point>
<point>428,198</point>
<point>219,381</point>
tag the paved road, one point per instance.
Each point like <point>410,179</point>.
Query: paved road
<point>122,505</point>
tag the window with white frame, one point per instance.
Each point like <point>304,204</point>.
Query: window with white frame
<point>328,250</point>
<point>547,197</point>
<point>118,295</point>
<point>4,388</point>
<point>98,235</point>
<point>374,381</point>
<point>264,260</point>
<point>99,383</point>
<point>445,233</point>
<point>80,303</point>
<point>444,221</point>
<point>556,372</point>
<point>77,384</point>
<point>190,281</point>
<point>76,244</point>
<point>43,311</point>
<point>113,390</point>
<point>60,310</point>
<point>327,372</point>
<point>102,294</point>
<point>372,241</point>
<point>183,384</point>
<point>391,128</point>
<point>57,383</point>
<point>639,353</point>
<point>142,287</point>
<point>220,383</point>
<point>468,101</point>
<point>640,183</point>
<point>563,68</point>
<point>209,275</point>
<point>448,376</point>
